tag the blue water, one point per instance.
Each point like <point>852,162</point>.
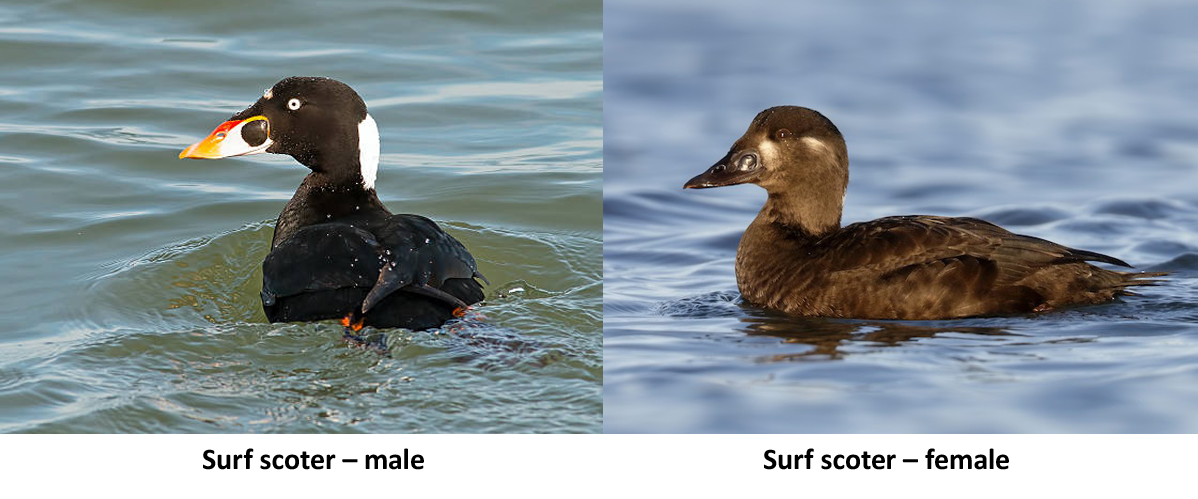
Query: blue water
<point>130,278</point>
<point>1072,121</point>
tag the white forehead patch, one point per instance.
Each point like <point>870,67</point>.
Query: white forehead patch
<point>267,94</point>
<point>368,150</point>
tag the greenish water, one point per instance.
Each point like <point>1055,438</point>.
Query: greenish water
<point>130,296</point>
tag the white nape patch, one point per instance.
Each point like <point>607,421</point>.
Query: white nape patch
<point>815,143</point>
<point>267,94</point>
<point>368,150</point>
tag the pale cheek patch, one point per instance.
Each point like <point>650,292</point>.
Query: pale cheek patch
<point>769,154</point>
<point>368,150</point>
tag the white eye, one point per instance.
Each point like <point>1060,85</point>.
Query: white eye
<point>293,104</point>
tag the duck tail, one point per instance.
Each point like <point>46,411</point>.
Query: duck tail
<point>1139,279</point>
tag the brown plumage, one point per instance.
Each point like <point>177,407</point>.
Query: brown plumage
<point>795,257</point>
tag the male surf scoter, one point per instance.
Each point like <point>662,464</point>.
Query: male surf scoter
<point>796,257</point>
<point>337,252</point>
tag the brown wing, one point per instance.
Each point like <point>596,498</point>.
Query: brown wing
<point>944,267</point>
<point>896,244</point>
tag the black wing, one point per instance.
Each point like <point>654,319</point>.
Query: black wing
<point>399,252</point>
<point>418,255</point>
<point>321,257</point>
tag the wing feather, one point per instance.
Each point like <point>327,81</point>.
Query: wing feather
<point>900,245</point>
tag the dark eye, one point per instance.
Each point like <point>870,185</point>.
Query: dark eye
<point>782,133</point>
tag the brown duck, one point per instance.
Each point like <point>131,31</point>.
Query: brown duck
<point>796,257</point>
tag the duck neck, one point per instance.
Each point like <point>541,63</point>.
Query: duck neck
<point>323,186</point>
<point>809,216</point>
<point>323,198</point>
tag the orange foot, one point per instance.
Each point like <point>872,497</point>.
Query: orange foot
<point>460,311</point>
<point>354,326</point>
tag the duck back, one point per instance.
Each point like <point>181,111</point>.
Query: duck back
<point>919,267</point>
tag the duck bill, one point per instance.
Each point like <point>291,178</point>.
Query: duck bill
<point>232,138</point>
<point>724,172</point>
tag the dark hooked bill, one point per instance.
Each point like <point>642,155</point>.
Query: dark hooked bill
<point>734,168</point>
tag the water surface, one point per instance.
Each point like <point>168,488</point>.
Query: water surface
<point>1072,121</point>
<point>131,278</point>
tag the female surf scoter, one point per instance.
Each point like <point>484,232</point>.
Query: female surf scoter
<point>337,252</point>
<point>796,257</point>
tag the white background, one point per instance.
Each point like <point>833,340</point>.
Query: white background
<point>598,466</point>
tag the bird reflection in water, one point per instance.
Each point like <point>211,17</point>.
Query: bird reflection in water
<point>829,337</point>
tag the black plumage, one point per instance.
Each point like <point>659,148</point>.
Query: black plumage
<point>337,251</point>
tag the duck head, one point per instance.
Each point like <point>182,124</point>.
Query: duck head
<point>786,148</point>
<point>320,122</point>
<point>800,159</point>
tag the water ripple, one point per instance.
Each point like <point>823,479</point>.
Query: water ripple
<point>134,276</point>
<point>961,111</point>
